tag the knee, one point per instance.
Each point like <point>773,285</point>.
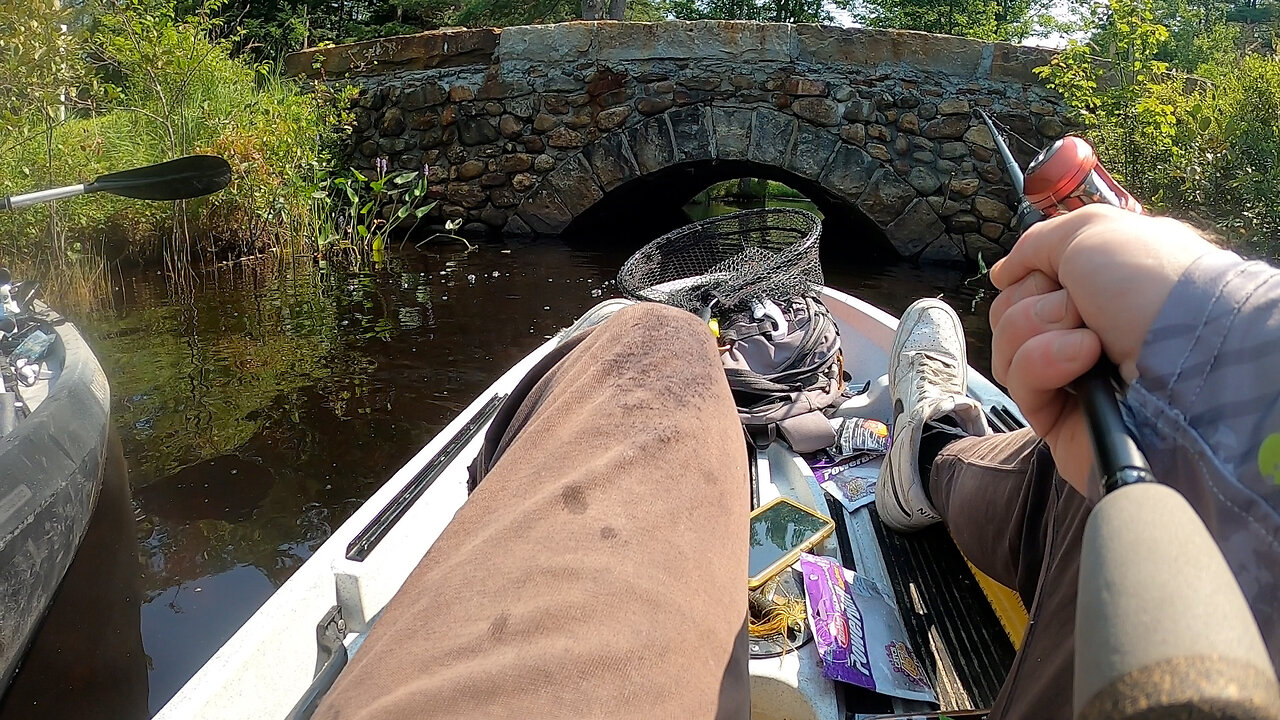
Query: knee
<point>657,313</point>
<point>650,334</point>
<point>663,325</point>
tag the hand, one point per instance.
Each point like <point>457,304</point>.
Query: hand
<point>1072,288</point>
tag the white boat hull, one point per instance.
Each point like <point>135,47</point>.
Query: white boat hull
<point>264,668</point>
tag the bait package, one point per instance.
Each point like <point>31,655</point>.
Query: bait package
<point>852,483</point>
<point>855,435</point>
<point>858,632</point>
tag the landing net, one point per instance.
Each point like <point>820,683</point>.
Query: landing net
<point>727,260</point>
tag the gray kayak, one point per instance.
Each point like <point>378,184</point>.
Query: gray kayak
<point>50,475</point>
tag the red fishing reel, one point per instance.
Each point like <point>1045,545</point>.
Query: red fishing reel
<point>1067,176</point>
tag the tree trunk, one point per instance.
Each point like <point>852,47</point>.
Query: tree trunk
<point>591,9</point>
<point>617,9</point>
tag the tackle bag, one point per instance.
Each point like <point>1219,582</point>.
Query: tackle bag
<point>784,374</point>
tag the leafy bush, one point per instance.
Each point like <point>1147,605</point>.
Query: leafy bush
<point>1205,145</point>
<point>164,89</point>
<point>362,212</point>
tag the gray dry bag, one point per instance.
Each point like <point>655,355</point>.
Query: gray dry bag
<point>783,374</point>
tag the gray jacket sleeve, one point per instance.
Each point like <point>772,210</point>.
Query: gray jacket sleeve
<point>1206,408</point>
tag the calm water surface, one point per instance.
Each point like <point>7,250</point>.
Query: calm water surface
<point>258,408</point>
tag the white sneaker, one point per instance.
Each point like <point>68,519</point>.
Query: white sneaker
<point>927,381</point>
<point>593,317</point>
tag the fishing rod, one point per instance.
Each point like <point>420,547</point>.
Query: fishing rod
<point>1064,177</point>
<point>1162,627</point>
<point>187,177</point>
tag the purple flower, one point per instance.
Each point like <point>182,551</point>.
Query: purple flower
<point>381,165</point>
<point>426,169</point>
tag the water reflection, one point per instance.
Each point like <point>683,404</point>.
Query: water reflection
<point>227,488</point>
<point>260,408</point>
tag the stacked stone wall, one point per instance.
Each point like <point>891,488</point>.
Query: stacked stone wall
<point>522,130</point>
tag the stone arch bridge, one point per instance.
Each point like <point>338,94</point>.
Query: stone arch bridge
<point>527,129</point>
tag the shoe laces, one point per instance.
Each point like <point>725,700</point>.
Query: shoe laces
<point>934,374</point>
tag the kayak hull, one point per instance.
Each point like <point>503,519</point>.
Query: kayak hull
<point>50,475</point>
<point>269,664</point>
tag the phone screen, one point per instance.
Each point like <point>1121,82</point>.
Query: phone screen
<point>779,529</point>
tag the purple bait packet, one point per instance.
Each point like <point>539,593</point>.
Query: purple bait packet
<point>852,481</point>
<point>858,633</point>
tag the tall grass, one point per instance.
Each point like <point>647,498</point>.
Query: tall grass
<point>165,88</point>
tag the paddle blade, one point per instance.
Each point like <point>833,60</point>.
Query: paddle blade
<point>187,177</point>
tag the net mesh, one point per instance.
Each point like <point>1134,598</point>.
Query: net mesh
<point>726,260</point>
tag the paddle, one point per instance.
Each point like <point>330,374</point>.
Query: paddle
<point>181,179</point>
<point>1162,627</point>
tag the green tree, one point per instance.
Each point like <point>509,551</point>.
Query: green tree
<point>788,11</point>
<point>1010,20</point>
<point>1207,146</point>
<point>505,13</point>
<point>1124,101</point>
<point>39,64</point>
<point>42,76</point>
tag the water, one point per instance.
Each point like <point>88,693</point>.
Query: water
<point>258,410</point>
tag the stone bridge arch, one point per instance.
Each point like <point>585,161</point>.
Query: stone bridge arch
<point>745,141</point>
<point>525,129</point>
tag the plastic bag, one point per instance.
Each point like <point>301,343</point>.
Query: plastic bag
<point>855,435</point>
<point>858,632</point>
<point>851,481</point>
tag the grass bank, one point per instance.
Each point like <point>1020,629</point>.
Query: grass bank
<point>151,88</point>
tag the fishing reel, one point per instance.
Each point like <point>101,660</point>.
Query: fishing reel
<point>1067,175</point>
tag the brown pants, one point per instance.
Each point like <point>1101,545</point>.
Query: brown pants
<point>599,569</point>
<point>1019,522</point>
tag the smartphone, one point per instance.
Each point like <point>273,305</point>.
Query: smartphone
<point>780,530</point>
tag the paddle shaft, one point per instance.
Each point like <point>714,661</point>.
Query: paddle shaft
<point>15,202</point>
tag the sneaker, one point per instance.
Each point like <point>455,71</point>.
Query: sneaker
<point>927,383</point>
<point>593,317</point>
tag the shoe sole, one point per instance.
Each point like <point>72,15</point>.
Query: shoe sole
<point>893,518</point>
<point>899,517</point>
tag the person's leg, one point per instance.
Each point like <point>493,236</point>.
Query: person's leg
<point>1000,496</point>
<point>599,569</point>
<point>991,492</point>
<point>1016,520</point>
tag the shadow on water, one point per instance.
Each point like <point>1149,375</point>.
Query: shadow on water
<point>227,488</point>
<point>260,408</point>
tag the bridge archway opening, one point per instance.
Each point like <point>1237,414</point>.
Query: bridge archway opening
<point>641,209</point>
<point>747,193</point>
